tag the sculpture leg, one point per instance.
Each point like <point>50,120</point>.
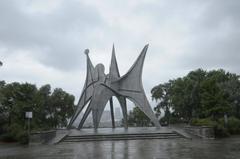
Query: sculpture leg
<point>123,104</point>
<point>112,112</point>
<point>141,101</point>
<point>98,104</point>
<point>84,117</point>
<point>77,112</point>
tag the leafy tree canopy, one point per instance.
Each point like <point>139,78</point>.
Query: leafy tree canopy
<point>200,94</point>
<point>138,118</point>
<point>50,109</point>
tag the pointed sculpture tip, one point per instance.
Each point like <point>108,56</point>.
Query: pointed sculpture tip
<point>113,49</point>
<point>86,51</point>
<point>146,47</point>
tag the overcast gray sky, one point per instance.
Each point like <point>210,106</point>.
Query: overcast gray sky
<point>42,41</point>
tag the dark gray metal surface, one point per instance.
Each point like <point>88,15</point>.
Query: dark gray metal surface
<point>99,88</point>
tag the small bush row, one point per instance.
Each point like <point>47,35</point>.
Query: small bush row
<point>221,128</point>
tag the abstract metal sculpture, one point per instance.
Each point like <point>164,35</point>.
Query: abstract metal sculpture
<point>100,88</point>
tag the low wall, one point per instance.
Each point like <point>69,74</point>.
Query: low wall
<point>42,137</point>
<point>205,132</point>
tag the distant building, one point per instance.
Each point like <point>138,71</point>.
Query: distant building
<point>106,116</point>
<point>118,114</point>
<point>105,119</point>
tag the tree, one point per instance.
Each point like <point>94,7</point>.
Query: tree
<point>50,110</point>
<point>17,99</point>
<point>215,101</point>
<point>231,89</point>
<point>2,108</point>
<point>186,94</point>
<point>162,93</point>
<point>42,107</point>
<point>200,94</point>
<point>61,107</point>
<point>138,118</point>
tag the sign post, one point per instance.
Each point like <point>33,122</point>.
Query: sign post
<point>225,120</point>
<point>28,115</point>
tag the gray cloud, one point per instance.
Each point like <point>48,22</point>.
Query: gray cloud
<point>55,39</point>
<point>183,35</point>
<point>215,42</point>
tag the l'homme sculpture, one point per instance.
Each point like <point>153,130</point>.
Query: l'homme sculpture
<point>100,88</point>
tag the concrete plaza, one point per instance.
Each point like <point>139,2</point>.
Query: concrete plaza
<point>228,148</point>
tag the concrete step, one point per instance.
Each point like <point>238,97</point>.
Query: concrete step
<point>125,134</point>
<point>77,138</point>
<point>111,136</point>
<point>113,139</point>
<point>108,137</point>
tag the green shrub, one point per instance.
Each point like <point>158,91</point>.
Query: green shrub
<point>203,122</point>
<point>233,125</point>
<point>15,133</point>
<point>171,120</point>
<point>220,131</point>
<point>220,128</point>
<point>7,138</point>
<point>22,137</point>
<point>175,120</point>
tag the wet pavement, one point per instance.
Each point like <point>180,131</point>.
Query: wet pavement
<point>228,148</point>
